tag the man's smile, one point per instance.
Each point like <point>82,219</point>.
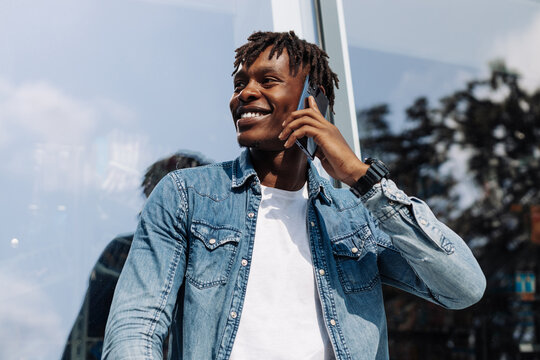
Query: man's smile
<point>250,111</point>
<point>249,115</point>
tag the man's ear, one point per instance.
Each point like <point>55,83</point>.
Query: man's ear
<point>322,89</point>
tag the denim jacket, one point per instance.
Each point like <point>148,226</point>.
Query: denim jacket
<point>189,264</point>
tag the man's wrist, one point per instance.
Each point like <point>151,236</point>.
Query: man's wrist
<point>377,170</point>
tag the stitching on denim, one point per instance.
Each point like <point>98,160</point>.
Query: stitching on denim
<point>412,289</point>
<point>350,234</point>
<point>209,196</point>
<point>347,285</point>
<point>205,284</point>
<point>224,347</point>
<point>165,292</point>
<point>338,324</point>
<point>221,280</point>
<point>322,259</point>
<point>219,227</point>
<point>184,204</point>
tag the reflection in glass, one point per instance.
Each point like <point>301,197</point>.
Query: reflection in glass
<point>85,341</point>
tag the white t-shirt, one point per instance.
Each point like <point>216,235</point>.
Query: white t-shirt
<point>282,317</point>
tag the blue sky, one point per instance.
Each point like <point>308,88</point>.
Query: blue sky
<point>92,92</point>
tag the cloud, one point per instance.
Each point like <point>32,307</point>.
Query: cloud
<point>520,51</point>
<point>45,113</point>
<point>31,328</point>
<point>67,143</point>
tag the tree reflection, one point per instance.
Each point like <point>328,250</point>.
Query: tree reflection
<point>475,158</point>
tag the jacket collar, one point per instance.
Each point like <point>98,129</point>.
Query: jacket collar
<point>243,170</point>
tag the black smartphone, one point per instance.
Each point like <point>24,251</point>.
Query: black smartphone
<point>307,144</point>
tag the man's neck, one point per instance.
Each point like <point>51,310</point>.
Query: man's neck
<point>286,170</point>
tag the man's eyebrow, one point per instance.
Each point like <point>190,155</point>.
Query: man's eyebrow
<point>260,71</point>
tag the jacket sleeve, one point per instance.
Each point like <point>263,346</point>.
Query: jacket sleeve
<point>146,292</point>
<point>418,253</point>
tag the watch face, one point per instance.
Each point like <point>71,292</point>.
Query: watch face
<point>378,166</point>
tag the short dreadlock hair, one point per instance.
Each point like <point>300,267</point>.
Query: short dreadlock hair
<point>301,53</point>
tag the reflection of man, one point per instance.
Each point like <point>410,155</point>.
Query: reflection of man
<point>315,256</point>
<point>86,337</point>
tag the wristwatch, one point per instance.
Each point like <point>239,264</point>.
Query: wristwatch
<point>376,171</point>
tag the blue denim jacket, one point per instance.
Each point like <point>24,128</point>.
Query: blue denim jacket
<point>189,264</point>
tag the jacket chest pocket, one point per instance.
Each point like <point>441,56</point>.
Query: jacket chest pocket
<point>211,254</point>
<point>356,260</point>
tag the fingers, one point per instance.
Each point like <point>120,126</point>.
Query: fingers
<point>307,122</point>
<point>298,128</point>
<point>312,111</point>
<point>304,131</point>
<point>313,104</point>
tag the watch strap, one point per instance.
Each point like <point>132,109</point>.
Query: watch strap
<point>376,171</point>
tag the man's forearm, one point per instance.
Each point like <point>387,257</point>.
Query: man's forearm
<point>439,257</point>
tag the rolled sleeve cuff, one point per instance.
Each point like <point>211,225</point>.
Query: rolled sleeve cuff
<point>385,200</point>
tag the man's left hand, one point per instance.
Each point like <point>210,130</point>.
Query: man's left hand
<point>336,157</point>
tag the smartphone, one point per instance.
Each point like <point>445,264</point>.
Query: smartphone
<point>307,144</point>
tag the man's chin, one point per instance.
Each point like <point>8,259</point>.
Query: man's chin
<point>267,145</point>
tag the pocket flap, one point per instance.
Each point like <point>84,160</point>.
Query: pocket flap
<point>214,236</point>
<point>351,245</point>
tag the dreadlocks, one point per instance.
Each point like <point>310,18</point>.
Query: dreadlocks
<point>301,53</point>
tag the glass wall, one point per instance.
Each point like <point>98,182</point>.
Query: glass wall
<point>91,94</point>
<point>401,50</point>
<point>474,156</point>
<point>94,92</point>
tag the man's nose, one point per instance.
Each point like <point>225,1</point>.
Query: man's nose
<point>250,92</point>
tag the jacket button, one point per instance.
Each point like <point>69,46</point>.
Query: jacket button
<point>354,250</point>
<point>212,241</point>
<point>321,271</point>
<point>332,322</point>
<point>234,314</point>
<point>244,262</point>
<point>250,215</point>
<point>312,223</point>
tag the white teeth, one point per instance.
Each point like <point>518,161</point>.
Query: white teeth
<point>250,115</point>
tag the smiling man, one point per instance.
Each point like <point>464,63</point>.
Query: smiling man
<point>260,257</point>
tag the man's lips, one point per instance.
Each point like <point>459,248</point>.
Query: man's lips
<point>249,118</point>
<point>250,111</point>
<point>246,116</point>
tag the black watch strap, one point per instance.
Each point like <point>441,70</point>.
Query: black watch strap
<point>377,170</point>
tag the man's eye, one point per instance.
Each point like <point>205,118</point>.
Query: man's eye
<point>238,85</point>
<point>268,80</point>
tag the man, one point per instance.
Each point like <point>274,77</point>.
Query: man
<point>85,340</point>
<point>260,257</point>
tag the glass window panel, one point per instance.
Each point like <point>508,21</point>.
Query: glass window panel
<point>92,93</point>
<point>400,50</point>
<point>403,50</point>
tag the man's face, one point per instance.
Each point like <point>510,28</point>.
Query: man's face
<point>264,95</point>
